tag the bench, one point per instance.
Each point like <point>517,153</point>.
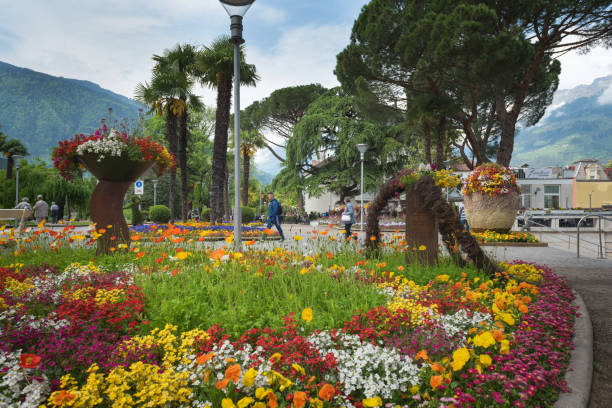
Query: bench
<point>20,214</point>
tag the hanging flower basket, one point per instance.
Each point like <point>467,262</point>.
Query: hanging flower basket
<point>491,198</point>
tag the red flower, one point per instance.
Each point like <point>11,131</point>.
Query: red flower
<point>29,360</point>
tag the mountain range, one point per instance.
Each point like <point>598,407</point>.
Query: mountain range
<point>577,125</point>
<point>40,110</point>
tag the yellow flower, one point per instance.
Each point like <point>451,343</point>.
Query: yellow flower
<point>442,278</point>
<point>298,368</point>
<point>307,314</point>
<point>504,346</point>
<point>297,237</point>
<point>182,255</point>
<point>371,402</point>
<point>238,255</point>
<point>227,403</point>
<point>245,402</point>
<point>249,377</point>
<point>485,360</point>
<point>485,339</point>
<point>422,248</point>
<point>460,357</point>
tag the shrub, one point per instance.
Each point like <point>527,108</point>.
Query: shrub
<point>248,214</point>
<point>159,213</point>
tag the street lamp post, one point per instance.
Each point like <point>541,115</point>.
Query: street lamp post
<point>154,191</point>
<point>236,10</point>
<point>362,149</point>
<point>16,158</point>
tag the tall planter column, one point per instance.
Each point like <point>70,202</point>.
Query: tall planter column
<point>106,208</point>
<point>421,229</point>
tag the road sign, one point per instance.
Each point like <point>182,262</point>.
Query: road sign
<point>139,187</point>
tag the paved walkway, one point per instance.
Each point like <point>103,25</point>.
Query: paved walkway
<point>592,278</point>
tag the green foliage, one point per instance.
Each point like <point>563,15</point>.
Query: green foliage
<point>136,218</point>
<point>248,214</point>
<point>159,213</point>
<point>39,109</point>
<point>239,300</point>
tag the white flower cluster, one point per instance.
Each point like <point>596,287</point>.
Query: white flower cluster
<point>460,322</point>
<point>19,390</point>
<point>367,368</point>
<point>112,145</point>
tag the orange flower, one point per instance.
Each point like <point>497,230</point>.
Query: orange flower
<point>268,231</point>
<point>140,255</point>
<point>422,354</point>
<point>327,392</point>
<point>372,238</point>
<point>135,237</point>
<point>272,401</point>
<point>29,360</point>
<point>218,254</point>
<point>175,272</point>
<point>498,335</point>
<point>299,399</point>
<point>249,243</point>
<point>233,373</point>
<point>101,231</point>
<point>330,255</point>
<point>63,396</point>
<point>204,358</point>
<point>435,381</point>
<point>437,367</point>
<point>222,384</point>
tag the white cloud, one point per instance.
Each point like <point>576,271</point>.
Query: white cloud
<point>582,69</point>
<point>606,97</point>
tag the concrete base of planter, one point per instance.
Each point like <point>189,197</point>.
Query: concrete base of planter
<point>484,212</point>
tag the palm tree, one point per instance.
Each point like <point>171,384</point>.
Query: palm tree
<point>179,62</point>
<point>251,139</point>
<point>11,148</point>
<point>215,68</point>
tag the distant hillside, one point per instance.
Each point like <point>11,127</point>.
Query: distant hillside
<point>40,109</point>
<point>578,125</point>
<point>262,176</point>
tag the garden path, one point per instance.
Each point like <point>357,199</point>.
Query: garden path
<point>592,278</point>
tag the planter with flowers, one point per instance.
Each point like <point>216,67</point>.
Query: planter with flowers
<point>116,160</point>
<point>491,198</point>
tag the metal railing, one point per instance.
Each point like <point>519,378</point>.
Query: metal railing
<point>601,248</point>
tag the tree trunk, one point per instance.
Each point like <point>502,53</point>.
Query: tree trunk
<point>219,160</point>
<point>226,195</point>
<point>9,167</point>
<point>300,201</point>
<point>506,142</point>
<point>183,139</point>
<point>427,141</point>
<point>171,139</point>
<point>246,168</point>
<point>440,142</point>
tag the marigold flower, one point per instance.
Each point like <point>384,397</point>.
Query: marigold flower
<point>327,392</point>
<point>233,373</point>
<point>460,357</point>
<point>485,360</point>
<point>222,384</point>
<point>63,396</point>
<point>299,399</point>
<point>435,381</point>
<point>204,358</point>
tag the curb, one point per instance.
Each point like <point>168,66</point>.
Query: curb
<point>580,370</point>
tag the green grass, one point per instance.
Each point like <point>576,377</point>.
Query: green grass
<point>238,299</point>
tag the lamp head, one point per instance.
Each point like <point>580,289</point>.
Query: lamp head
<point>154,181</point>
<point>362,148</point>
<point>236,7</point>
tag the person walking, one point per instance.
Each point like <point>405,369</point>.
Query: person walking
<point>23,205</point>
<point>274,212</point>
<point>54,212</point>
<point>348,217</point>
<point>41,209</point>
<point>463,218</point>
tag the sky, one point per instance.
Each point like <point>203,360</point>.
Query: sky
<point>111,42</point>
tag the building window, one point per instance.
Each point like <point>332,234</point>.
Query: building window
<point>526,196</point>
<point>551,196</point>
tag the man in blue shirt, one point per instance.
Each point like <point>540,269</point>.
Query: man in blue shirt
<point>273,214</point>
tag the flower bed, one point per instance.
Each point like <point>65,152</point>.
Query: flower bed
<point>84,336</point>
<point>202,229</point>
<point>512,236</point>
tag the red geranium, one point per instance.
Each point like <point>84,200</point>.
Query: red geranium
<point>29,360</point>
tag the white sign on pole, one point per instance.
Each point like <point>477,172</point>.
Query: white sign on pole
<point>139,187</point>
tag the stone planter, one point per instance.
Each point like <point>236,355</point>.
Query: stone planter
<point>495,213</point>
<point>115,176</point>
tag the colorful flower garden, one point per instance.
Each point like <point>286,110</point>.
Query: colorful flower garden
<point>175,322</point>
<point>511,236</point>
